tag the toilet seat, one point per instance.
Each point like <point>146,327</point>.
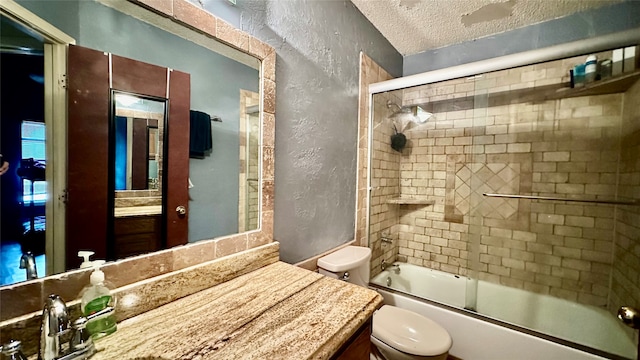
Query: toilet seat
<point>410,332</point>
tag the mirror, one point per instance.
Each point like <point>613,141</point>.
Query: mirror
<point>138,123</point>
<point>220,74</point>
<point>138,133</point>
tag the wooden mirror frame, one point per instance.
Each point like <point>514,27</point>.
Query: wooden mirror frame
<point>27,297</point>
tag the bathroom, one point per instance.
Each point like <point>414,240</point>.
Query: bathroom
<point>316,191</point>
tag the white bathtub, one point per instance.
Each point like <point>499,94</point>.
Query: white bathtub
<point>478,339</point>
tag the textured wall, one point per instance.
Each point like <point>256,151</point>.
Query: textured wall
<point>578,26</point>
<point>318,45</point>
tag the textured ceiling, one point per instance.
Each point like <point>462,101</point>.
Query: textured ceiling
<point>414,26</point>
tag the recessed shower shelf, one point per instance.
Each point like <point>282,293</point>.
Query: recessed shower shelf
<point>414,200</point>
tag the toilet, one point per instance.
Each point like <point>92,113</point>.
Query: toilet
<point>398,334</point>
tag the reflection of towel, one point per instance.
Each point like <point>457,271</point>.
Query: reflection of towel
<point>200,142</point>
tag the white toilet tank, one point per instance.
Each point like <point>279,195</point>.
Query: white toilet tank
<point>353,260</point>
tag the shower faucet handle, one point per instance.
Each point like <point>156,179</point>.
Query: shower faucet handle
<point>629,316</point>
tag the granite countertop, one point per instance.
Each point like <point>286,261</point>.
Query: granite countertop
<point>279,311</point>
<point>137,210</point>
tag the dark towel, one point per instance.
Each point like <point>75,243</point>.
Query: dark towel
<point>200,141</point>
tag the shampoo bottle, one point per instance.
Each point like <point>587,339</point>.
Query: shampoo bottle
<point>95,297</point>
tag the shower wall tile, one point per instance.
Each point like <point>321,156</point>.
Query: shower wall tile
<point>383,218</point>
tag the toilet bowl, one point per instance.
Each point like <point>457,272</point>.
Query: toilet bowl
<point>398,334</point>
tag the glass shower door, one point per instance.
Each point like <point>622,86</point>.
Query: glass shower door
<point>545,208</point>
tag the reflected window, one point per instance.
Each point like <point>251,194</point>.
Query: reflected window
<point>33,146</point>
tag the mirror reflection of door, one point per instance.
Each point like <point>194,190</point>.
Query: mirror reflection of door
<point>120,197</point>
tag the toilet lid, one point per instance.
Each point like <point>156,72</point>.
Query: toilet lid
<point>410,332</point>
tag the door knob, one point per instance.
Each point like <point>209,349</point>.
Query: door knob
<point>181,210</point>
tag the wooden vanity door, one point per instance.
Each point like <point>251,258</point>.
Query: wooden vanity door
<point>89,220</point>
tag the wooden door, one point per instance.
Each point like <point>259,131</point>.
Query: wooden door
<point>90,191</point>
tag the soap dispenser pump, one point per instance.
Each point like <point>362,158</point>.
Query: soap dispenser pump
<point>85,255</point>
<point>96,297</point>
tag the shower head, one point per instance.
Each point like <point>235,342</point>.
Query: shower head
<point>391,103</point>
<point>403,117</point>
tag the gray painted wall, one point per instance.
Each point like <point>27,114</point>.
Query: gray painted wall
<point>317,72</point>
<point>215,84</point>
<point>583,25</point>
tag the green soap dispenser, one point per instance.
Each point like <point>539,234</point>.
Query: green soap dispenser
<point>95,297</point>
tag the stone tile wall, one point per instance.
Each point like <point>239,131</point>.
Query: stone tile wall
<point>510,132</point>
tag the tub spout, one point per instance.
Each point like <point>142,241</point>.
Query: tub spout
<point>28,262</point>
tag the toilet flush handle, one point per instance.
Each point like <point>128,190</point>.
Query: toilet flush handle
<point>345,276</point>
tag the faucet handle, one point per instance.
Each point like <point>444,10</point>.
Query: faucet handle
<point>12,350</point>
<point>80,338</point>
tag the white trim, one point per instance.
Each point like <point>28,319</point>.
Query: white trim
<point>169,70</point>
<point>359,134</point>
<point>110,66</point>
<point>619,39</point>
<point>59,155</point>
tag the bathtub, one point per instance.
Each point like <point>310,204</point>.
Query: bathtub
<point>508,316</point>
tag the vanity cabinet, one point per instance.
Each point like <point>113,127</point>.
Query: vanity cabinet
<point>135,235</point>
<point>359,345</point>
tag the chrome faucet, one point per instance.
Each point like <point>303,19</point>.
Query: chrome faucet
<point>55,324</point>
<point>394,267</point>
<point>28,262</point>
